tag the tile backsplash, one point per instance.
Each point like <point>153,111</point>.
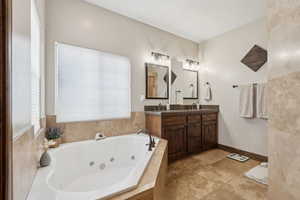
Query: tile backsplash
<point>78,131</point>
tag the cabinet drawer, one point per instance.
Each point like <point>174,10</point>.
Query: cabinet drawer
<point>209,117</point>
<point>194,118</point>
<point>173,120</point>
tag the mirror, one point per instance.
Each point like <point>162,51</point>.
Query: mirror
<point>190,84</point>
<point>186,84</point>
<point>157,81</point>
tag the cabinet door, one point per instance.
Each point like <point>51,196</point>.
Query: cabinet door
<point>194,138</point>
<point>209,135</point>
<point>176,136</point>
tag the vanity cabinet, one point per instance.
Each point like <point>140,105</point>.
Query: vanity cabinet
<point>187,132</point>
<point>209,135</point>
<point>176,136</point>
<point>194,135</point>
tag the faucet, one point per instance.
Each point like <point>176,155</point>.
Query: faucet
<point>160,106</point>
<point>151,140</point>
<point>194,105</point>
<point>99,136</point>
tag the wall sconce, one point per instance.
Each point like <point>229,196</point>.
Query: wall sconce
<point>160,56</point>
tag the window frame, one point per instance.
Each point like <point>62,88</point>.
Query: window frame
<point>6,135</point>
<point>38,21</point>
<point>56,87</point>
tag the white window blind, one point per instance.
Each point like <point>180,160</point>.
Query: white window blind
<point>35,67</point>
<point>91,85</point>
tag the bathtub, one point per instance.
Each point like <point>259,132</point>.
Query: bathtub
<point>92,169</point>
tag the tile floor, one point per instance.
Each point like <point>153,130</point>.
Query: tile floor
<point>211,176</point>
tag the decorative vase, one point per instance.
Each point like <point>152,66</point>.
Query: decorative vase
<point>45,159</point>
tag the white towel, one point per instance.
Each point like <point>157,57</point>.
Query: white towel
<point>207,96</point>
<point>261,101</point>
<point>259,173</point>
<point>246,101</point>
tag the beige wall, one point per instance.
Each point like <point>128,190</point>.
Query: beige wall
<point>284,87</point>
<point>222,68</point>
<point>79,23</point>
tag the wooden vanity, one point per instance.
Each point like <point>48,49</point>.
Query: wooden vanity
<point>187,131</point>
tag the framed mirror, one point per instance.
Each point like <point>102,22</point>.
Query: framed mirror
<point>157,86</point>
<point>190,84</point>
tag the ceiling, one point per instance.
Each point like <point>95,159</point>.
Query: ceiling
<point>196,20</point>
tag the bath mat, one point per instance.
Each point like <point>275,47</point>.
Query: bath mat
<point>238,157</point>
<point>259,173</point>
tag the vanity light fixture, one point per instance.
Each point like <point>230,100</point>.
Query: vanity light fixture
<point>192,62</point>
<point>159,56</point>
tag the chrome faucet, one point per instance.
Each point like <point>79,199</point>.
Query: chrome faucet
<point>99,136</point>
<point>160,106</point>
<point>194,105</point>
<point>151,140</point>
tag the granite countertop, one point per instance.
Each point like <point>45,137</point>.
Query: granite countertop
<point>190,111</point>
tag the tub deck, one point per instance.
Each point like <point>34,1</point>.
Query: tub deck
<point>152,184</point>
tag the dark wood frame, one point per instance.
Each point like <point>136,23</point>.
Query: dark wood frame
<point>255,58</point>
<point>146,70</point>
<point>197,84</point>
<point>5,102</point>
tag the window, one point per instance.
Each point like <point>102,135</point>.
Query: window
<point>91,85</point>
<point>35,67</point>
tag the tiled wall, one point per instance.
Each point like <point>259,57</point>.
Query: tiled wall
<point>77,131</point>
<point>27,150</point>
<point>284,99</point>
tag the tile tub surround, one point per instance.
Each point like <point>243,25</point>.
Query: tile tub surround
<point>152,184</point>
<point>78,131</point>
<point>27,150</point>
<point>211,176</point>
<point>284,99</point>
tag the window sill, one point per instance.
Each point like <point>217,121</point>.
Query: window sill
<point>39,132</point>
<point>21,132</point>
<point>94,120</point>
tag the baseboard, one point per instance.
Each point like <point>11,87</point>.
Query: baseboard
<point>253,156</point>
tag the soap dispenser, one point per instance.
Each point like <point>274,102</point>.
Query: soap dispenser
<point>198,105</point>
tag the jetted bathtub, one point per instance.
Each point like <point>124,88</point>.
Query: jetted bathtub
<point>92,169</point>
